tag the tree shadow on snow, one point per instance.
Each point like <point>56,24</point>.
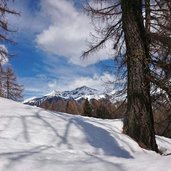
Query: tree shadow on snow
<point>101,139</point>
<point>95,136</point>
<point>16,156</point>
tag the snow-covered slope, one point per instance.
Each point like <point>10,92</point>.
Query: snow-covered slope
<point>76,94</point>
<point>32,139</point>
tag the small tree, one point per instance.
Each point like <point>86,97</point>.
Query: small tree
<point>71,107</point>
<point>87,110</point>
<point>53,105</point>
<point>103,112</point>
<point>12,90</point>
<point>45,105</point>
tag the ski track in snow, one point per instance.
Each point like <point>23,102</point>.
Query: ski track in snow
<point>33,139</point>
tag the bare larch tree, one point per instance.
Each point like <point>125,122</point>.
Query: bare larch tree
<point>5,86</point>
<point>12,90</point>
<point>140,32</point>
<point>140,124</point>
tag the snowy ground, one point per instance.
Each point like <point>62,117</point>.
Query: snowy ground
<point>32,139</point>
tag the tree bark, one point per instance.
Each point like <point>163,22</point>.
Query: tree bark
<point>139,124</point>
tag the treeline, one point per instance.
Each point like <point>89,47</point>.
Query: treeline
<point>9,88</point>
<point>102,108</point>
<point>162,114</point>
<point>105,109</point>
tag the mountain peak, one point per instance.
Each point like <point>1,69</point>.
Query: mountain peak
<point>53,93</point>
<point>84,88</point>
<point>76,94</point>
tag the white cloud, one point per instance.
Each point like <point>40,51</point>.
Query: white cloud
<point>96,81</point>
<point>68,33</point>
<point>28,23</point>
<point>41,85</point>
<point>59,29</point>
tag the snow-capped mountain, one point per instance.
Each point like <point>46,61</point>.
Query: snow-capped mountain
<point>75,102</point>
<point>76,94</point>
<point>81,92</point>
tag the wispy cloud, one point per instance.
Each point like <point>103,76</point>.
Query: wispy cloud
<point>96,81</point>
<point>58,28</point>
<point>68,33</point>
<point>30,22</point>
<point>41,84</point>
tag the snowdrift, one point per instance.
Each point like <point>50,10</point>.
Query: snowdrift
<point>33,139</point>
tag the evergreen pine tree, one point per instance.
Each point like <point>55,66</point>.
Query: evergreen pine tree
<point>103,112</point>
<point>87,109</point>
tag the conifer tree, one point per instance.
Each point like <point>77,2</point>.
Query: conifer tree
<point>103,112</point>
<point>71,107</point>
<point>140,32</point>
<point>4,30</point>
<point>87,109</point>
<point>12,90</point>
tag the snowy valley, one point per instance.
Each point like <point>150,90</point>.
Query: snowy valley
<point>33,139</point>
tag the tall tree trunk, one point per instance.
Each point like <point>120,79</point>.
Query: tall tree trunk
<point>140,124</point>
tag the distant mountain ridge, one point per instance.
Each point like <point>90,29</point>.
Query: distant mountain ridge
<point>76,94</point>
<point>83,100</point>
<point>83,92</point>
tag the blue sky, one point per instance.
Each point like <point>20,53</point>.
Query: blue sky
<point>50,38</point>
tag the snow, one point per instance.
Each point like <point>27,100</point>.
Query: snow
<point>76,94</point>
<point>29,99</point>
<point>33,139</point>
